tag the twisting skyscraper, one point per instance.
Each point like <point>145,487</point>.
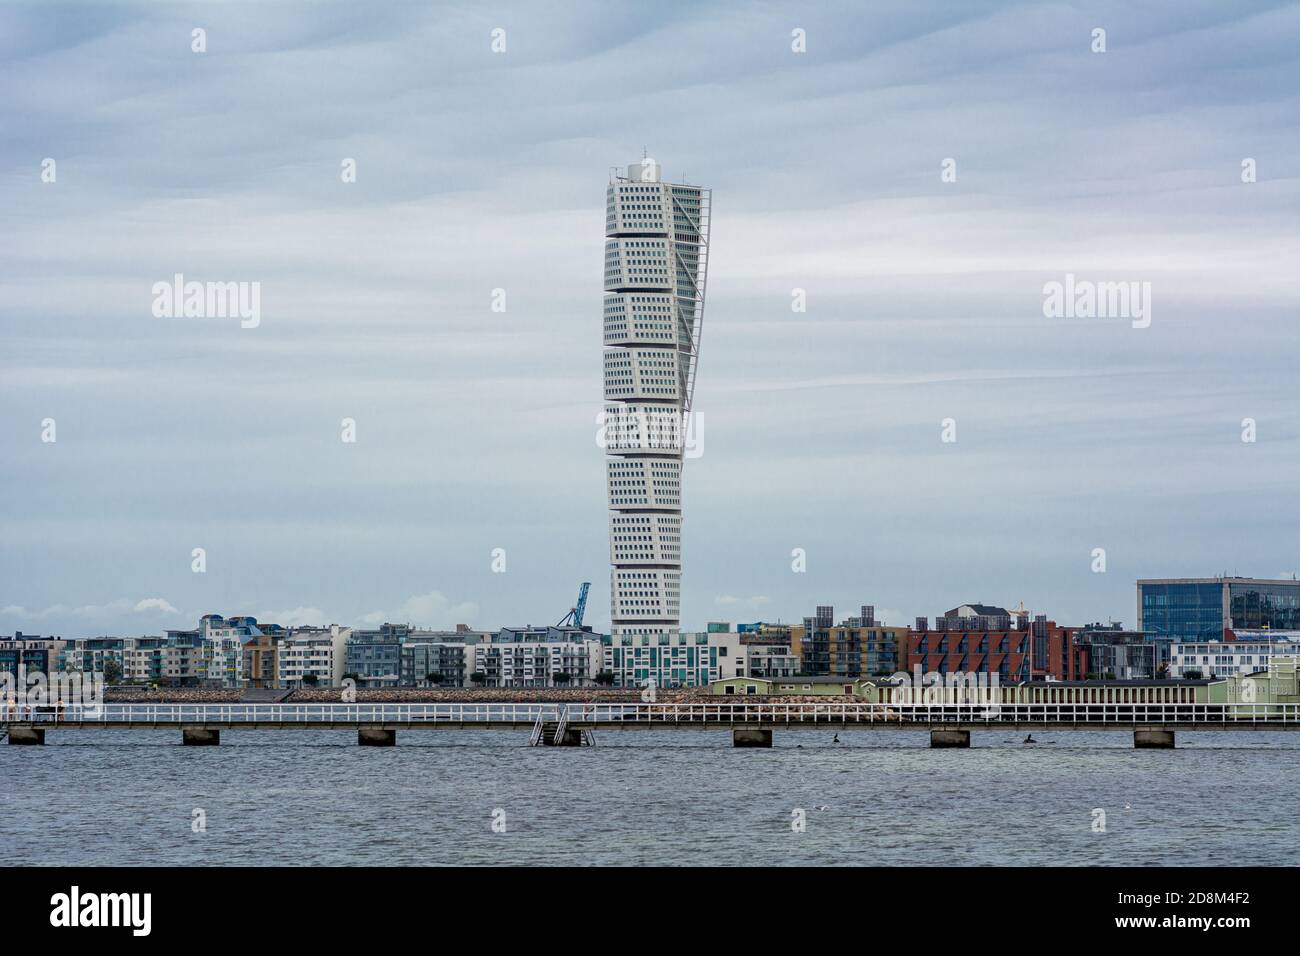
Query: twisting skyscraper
<point>656,260</point>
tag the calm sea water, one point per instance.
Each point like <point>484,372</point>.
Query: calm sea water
<point>645,797</point>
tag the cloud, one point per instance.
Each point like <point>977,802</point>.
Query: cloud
<point>434,610</point>
<point>156,604</point>
<point>923,302</point>
<point>122,617</point>
<point>91,612</point>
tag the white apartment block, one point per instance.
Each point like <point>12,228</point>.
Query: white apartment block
<point>656,261</point>
<point>536,663</point>
<point>313,651</point>
<point>1226,658</point>
<point>222,659</point>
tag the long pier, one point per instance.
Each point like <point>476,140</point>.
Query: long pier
<point>752,723</point>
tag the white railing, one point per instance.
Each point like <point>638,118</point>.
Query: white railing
<point>625,714</point>
<point>237,713</point>
<point>929,714</point>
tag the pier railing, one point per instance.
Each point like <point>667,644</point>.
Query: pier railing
<point>664,714</point>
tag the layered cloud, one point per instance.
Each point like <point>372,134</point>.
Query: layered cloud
<point>475,430</point>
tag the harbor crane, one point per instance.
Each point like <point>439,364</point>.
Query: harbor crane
<point>575,612</point>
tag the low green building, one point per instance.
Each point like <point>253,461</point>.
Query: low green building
<point>793,687</point>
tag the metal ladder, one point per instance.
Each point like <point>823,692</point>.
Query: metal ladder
<point>558,736</point>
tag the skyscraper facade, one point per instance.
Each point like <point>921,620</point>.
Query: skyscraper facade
<point>656,261</point>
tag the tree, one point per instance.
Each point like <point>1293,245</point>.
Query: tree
<point>1192,675</point>
<point>311,680</point>
<point>433,677</point>
<point>605,678</point>
<point>478,677</point>
<point>561,677</point>
<point>112,671</point>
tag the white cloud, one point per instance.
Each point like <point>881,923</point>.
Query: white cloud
<point>436,611</point>
<point>918,294</point>
<point>89,612</point>
<point>156,604</point>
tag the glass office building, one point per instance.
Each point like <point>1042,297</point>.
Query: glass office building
<point>1200,609</point>
<point>1260,605</point>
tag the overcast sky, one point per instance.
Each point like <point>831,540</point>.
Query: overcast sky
<point>476,429</point>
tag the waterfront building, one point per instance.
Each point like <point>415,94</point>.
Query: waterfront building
<point>1247,653</point>
<point>142,659</point>
<point>446,660</point>
<point>376,657</point>
<point>975,617</point>
<point>31,652</point>
<point>859,646</point>
<point>1201,609</point>
<point>262,661</point>
<point>547,656</point>
<point>1034,650</point>
<point>771,660</point>
<point>677,660</point>
<point>313,655</point>
<point>656,261</point>
<point>373,657</point>
<point>91,655</point>
<point>762,632</point>
<point>795,686</point>
<point>1278,684</point>
<point>182,662</point>
<point>221,663</point>
<point>1117,654</point>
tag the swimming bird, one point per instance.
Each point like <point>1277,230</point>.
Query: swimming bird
<point>1030,739</point>
<point>835,739</point>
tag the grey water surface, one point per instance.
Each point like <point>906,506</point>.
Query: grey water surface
<point>876,798</point>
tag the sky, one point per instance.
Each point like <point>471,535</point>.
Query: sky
<point>920,171</point>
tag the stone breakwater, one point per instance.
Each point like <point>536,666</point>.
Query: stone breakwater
<point>455,694</point>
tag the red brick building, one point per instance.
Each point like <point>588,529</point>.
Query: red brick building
<point>1007,652</point>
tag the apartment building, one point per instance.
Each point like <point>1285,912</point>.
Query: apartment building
<point>674,660</point>
<point>435,664</point>
<point>537,657</point>
<point>1248,653</point>
<point>859,646</point>
<point>313,656</point>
